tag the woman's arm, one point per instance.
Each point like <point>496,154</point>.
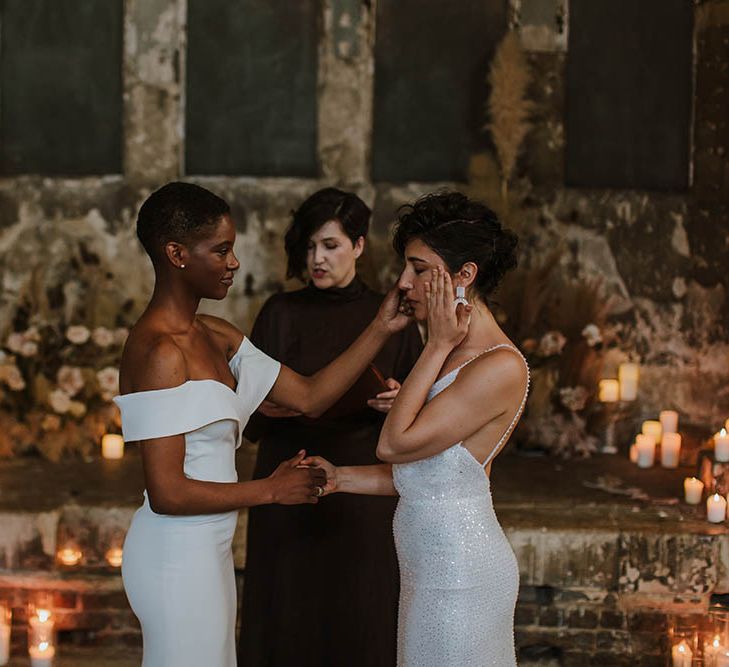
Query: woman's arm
<point>372,480</point>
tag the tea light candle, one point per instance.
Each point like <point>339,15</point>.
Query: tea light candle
<point>609,391</point>
<point>692,490</point>
<point>670,450</point>
<point>114,556</point>
<point>721,446</point>
<point>646,446</point>
<point>628,375</point>
<point>652,427</point>
<point>669,421</point>
<point>112,446</point>
<point>4,634</point>
<point>70,556</point>
<point>634,453</point>
<point>42,655</point>
<point>716,508</point>
<point>681,654</point>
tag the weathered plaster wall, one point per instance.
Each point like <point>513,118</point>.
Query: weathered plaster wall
<point>67,245</point>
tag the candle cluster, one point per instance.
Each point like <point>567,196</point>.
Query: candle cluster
<point>41,646</point>
<point>625,388</point>
<point>661,433</point>
<point>708,647</point>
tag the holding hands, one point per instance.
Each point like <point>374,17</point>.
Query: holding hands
<point>447,326</point>
<point>294,482</point>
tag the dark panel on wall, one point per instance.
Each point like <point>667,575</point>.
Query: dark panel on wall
<point>60,87</point>
<point>251,87</point>
<point>431,62</point>
<point>629,93</point>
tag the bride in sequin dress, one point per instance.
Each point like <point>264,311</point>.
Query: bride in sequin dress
<point>453,415</point>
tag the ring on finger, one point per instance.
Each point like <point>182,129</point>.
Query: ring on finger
<point>318,491</point>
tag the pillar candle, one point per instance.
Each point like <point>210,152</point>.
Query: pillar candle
<point>609,391</point>
<point>692,490</point>
<point>670,450</point>
<point>628,377</point>
<point>681,654</point>
<point>721,446</point>
<point>652,427</point>
<point>4,635</point>
<point>42,655</point>
<point>112,446</point>
<point>716,508</point>
<point>634,453</point>
<point>669,421</point>
<point>646,446</point>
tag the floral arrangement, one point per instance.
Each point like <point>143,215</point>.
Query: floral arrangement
<point>56,389</point>
<point>561,327</point>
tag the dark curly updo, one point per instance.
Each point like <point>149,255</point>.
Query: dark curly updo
<point>460,231</point>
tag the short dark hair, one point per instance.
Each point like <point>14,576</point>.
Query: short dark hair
<point>321,207</point>
<point>180,212</point>
<point>459,230</point>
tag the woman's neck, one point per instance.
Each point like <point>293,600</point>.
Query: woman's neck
<point>483,332</point>
<point>172,306</point>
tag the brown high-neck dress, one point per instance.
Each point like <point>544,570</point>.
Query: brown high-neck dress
<point>321,581</point>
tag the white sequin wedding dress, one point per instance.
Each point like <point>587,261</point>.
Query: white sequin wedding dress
<point>459,575</point>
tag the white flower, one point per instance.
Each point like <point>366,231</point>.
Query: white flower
<point>120,335</point>
<point>15,341</point>
<point>32,334</point>
<point>573,398</point>
<point>60,401</point>
<point>78,334</point>
<point>12,377</point>
<point>51,423</point>
<point>28,349</point>
<point>77,409</point>
<point>70,379</point>
<point>551,343</point>
<point>102,336</point>
<point>592,335</point>
<point>108,381</point>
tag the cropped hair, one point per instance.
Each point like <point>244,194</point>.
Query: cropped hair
<point>322,207</point>
<point>180,212</point>
<point>459,230</point>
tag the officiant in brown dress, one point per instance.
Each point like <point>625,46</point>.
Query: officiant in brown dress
<point>321,581</point>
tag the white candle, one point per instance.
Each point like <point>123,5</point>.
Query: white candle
<point>114,556</point>
<point>726,424</point>
<point>712,650</point>
<point>692,490</point>
<point>42,655</point>
<point>721,446</point>
<point>112,446</point>
<point>41,628</point>
<point>670,450</point>
<point>4,642</point>
<point>628,375</point>
<point>646,446</point>
<point>634,453</point>
<point>70,556</point>
<point>716,508</point>
<point>609,391</point>
<point>681,654</point>
<point>669,421</point>
<point>652,427</point>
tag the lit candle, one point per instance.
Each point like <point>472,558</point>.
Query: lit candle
<point>692,490</point>
<point>42,655</point>
<point>726,424</point>
<point>681,654</point>
<point>114,556</point>
<point>4,634</point>
<point>628,377</point>
<point>634,453</point>
<point>646,446</point>
<point>669,421</point>
<point>716,508</point>
<point>670,450</point>
<point>652,427</point>
<point>70,556</point>
<point>112,446</point>
<point>609,391</point>
<point>712,650</point>
<point>721,446</point>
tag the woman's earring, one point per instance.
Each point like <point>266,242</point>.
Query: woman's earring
<point>460,295</point>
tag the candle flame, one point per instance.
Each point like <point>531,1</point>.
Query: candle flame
<point>43,615</point>
<point>722,433</point>
<point>716,642</point>
<point>43,646</point>
<point>716,496</point>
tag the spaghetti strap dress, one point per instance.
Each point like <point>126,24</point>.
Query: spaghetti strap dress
<point>459,578</point>
<point>178,570</point>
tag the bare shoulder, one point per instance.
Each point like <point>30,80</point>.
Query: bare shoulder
<point>229,333</point>
<point>151,361</point>
<point>500,370</point>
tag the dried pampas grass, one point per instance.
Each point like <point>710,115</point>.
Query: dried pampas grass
<point>508,108</point>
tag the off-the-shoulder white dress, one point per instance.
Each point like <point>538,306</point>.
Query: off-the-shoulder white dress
<point>178,570</point>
